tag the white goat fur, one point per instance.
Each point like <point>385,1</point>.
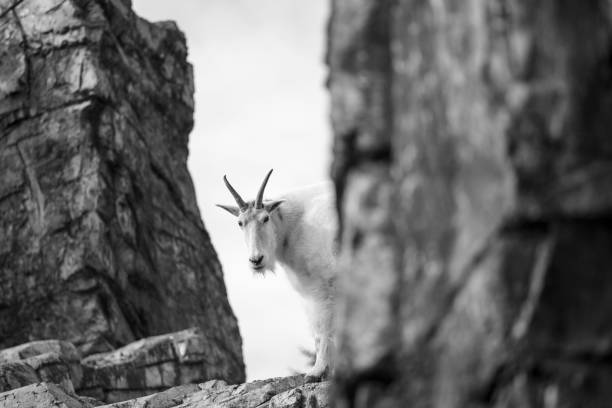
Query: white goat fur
<point>300,236</point>
<point>309,225</point>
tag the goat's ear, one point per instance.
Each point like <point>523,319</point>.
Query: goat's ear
<point>230,209</point>
<point>273,205</point>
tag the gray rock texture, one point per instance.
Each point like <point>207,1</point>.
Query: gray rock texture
<point>140,368</point>
<point>16,374</point>
<point>151,365</point>
<point>101,240</point>
<point>45,360</point>
<point>158,372</point>
<point>283,392</point>
<point>43,395</point>
<point>473,165</point>
<point>287,392</point>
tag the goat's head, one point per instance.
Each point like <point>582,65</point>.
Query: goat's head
<point>260,233</point>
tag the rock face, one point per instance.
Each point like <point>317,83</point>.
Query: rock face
<point>43,395</point>
<point>142,368</point>
<point>473,164</point>
<point>151,365</point>
<point>52,361</point>
<point>288,392</point>
<point>283,392</point>
<point>101,240</point>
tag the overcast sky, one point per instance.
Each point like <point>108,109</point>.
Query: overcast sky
<point>260,104</point>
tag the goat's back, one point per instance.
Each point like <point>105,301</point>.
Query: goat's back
<point>311,256</point>
<point>315,204</point>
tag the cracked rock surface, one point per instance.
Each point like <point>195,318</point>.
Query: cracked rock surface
<point>282,392</point>
<point>287,392</point>
<point>473,162</point>
<point>101,239</point>
<point>157,372</point>
<point>144,367</point>
<point>44,395</point>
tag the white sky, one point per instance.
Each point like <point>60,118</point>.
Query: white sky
<point>260,104</point>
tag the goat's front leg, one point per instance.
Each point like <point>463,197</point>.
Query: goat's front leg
<point>322,361</point>
<point>321,322</point>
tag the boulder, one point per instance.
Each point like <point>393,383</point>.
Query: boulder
<point>43,395</point>
<point>16,375</point>
<point>50,361</point>
<point>282,392</point>
<point>175,361</point>
<point>151,365</point>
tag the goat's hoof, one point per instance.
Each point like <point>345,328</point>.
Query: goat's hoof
<point>316,376</point>
<point>312,378</point>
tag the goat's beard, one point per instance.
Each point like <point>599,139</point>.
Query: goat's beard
<point>268,267</point>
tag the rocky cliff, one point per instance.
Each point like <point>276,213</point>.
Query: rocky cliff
<point>473,164</point>
<point>101,239</point>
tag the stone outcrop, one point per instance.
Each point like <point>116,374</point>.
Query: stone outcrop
<point>42,395</point>
<point>151,365</point>
<point>101,240</point>
<point>45,360</point>
<point>285,392</point>
<point>144,367</point>
<point>473,164</point>
<point>17,374</point>
<point>157,372</point>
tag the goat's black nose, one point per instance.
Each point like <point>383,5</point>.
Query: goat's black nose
<point>256,260</point>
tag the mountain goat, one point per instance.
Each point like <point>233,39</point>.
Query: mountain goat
<point>296,230</point>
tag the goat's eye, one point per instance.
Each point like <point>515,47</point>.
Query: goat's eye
<point>265,219</point>
<point>240,223</point>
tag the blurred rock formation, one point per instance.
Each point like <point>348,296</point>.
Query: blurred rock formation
<point>473,163</point>
<point>101,239</point>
